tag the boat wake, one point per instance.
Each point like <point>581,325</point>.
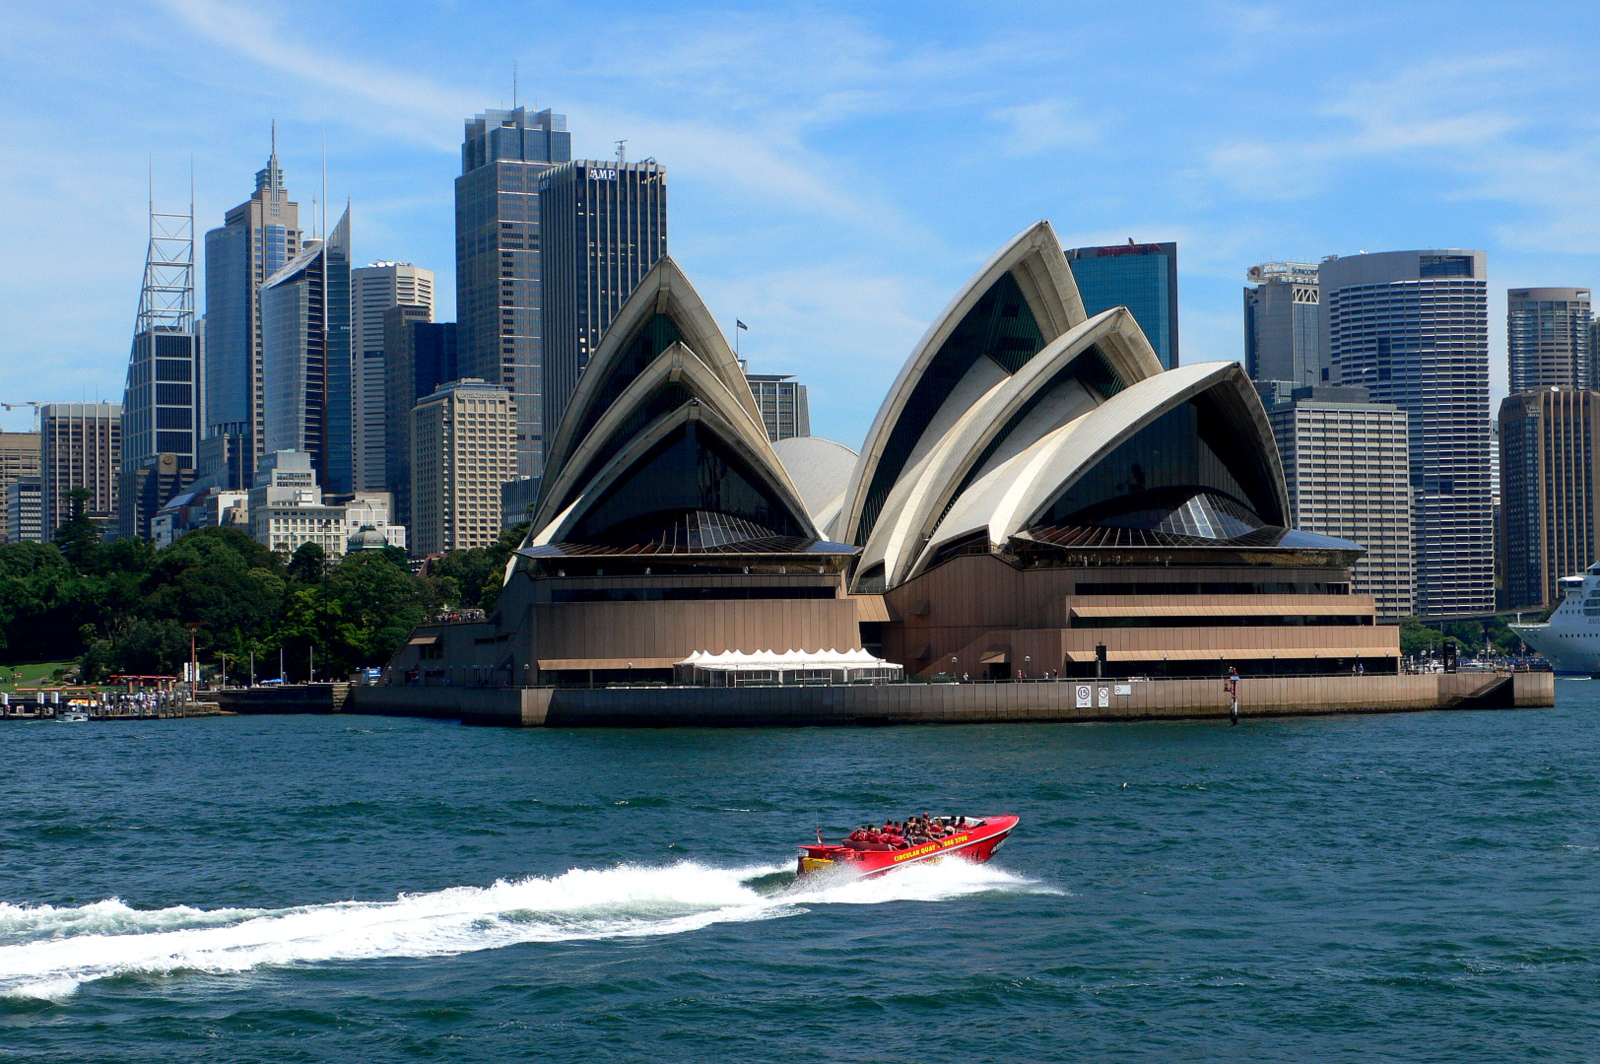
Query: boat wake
<point>47,952</point>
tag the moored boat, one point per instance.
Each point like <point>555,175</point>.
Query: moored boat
<point>872,852</point>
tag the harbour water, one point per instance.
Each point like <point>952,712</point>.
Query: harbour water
<point>1416,887</point>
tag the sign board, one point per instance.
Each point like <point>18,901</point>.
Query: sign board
<point>1124,688</point>
<point>1105,697</point>
<point>1085,696</point>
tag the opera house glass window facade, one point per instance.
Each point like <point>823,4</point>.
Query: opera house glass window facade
<point>1035,496</point>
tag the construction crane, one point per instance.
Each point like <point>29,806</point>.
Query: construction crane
<point>36,405</point>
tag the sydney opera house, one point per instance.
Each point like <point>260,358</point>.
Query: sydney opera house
<point>1036,497</point>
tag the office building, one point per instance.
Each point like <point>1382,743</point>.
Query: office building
<point>517,501</point>
<point>602,226</point>
<point>80,446</point>
<point>1550,339</point>
<point>1280,324</point>
<point>257,239</point>
<point>305,356</point>
<point>1549,439</point>
<point>287,509</point>
<point>161,394</point>
<point>1141,277</point>
<point>19,458</point>
<point>375,289</point>
<point>783,405</point>
<point>24,511</point>
<point>497,258</point>
<point>463,447</point>
<point>419,356</point>
<point>1347,467</point>
<point>1413,328</point>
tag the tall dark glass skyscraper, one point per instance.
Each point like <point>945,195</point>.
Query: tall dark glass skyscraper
<point>603,226</point>
<point>497,259</point>
<point>160,399</point>
<point>1141,277</point>
<point>305,330</point>
<point>1413,328</point>
<point>260,236</point>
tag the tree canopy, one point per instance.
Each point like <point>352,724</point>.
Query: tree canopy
<point>126,607</point>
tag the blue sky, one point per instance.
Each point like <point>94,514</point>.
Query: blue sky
<point>836,170</point>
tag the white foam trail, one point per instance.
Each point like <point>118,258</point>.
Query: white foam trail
<point>47,951</point>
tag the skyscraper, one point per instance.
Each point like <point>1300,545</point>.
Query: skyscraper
<point>497,258</point>
<point>305,355</point>
<point>80,446</point>
<point>462,450</point>
<point>419,356</point>
<point>374,289</point>
<point>1141,277</point>
<point>1346,465</point>
<point>603,225</point>
<point>1280,324</point>
<point>785,409</point>
<point>1413,328</point>
<point>160,399</point>
<point>1549,339</point>
<point>258,238</point>
<point>1548,441</point>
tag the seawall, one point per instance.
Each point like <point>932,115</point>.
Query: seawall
<point>1054,701</point>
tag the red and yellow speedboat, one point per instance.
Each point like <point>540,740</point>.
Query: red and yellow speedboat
<point>872,853</point>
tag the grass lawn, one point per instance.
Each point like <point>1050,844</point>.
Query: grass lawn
<point>30,675</point>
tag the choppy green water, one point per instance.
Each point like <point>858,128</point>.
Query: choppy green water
<point>1405,888</point>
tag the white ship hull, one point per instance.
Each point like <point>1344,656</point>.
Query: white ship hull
<point>1570,640</point>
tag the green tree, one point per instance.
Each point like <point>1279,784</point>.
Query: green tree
<point>310,561</point>
<point>37,588</point>
<point>479,572</point>
<point>78,536</point>
<point>358,615</point>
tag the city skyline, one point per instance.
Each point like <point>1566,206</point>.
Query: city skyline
<point>1409,145</point>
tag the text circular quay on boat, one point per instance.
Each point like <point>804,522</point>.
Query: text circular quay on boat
<point>1036,499</point>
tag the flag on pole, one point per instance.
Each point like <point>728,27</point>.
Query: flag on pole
<point>741,324</point>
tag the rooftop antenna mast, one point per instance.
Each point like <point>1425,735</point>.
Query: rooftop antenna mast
<point>622,153</point>
<point>166,300</point>
<point>514,84</point>
<point>324,182</point>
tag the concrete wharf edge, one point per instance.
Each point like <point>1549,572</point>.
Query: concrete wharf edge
<point>1054,701</point>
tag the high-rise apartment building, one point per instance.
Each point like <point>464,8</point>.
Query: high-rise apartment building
<point>1141,277</point>
<point>497,259</point>
<point>463,444</point>
<point>80,446</point>
<point>783,404</point>
<point>602,227</point>
<point>420,356</point>
<point>1280,324</point>
<point>1550,484</point>
<point>1550,339</point>
<point>1348,470</point>
<point>1413,328</point>
<point>305,356</point>
<point>19,459</point>
<point>374,290</point>
<point>257,239</point>
<point>161,394</point>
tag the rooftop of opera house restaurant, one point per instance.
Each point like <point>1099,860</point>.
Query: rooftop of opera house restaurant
<point>1035,499</point>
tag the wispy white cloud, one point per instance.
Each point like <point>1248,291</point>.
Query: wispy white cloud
<point>1045,126</point>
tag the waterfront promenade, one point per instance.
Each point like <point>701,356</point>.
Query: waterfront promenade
<point>1024,701</point>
